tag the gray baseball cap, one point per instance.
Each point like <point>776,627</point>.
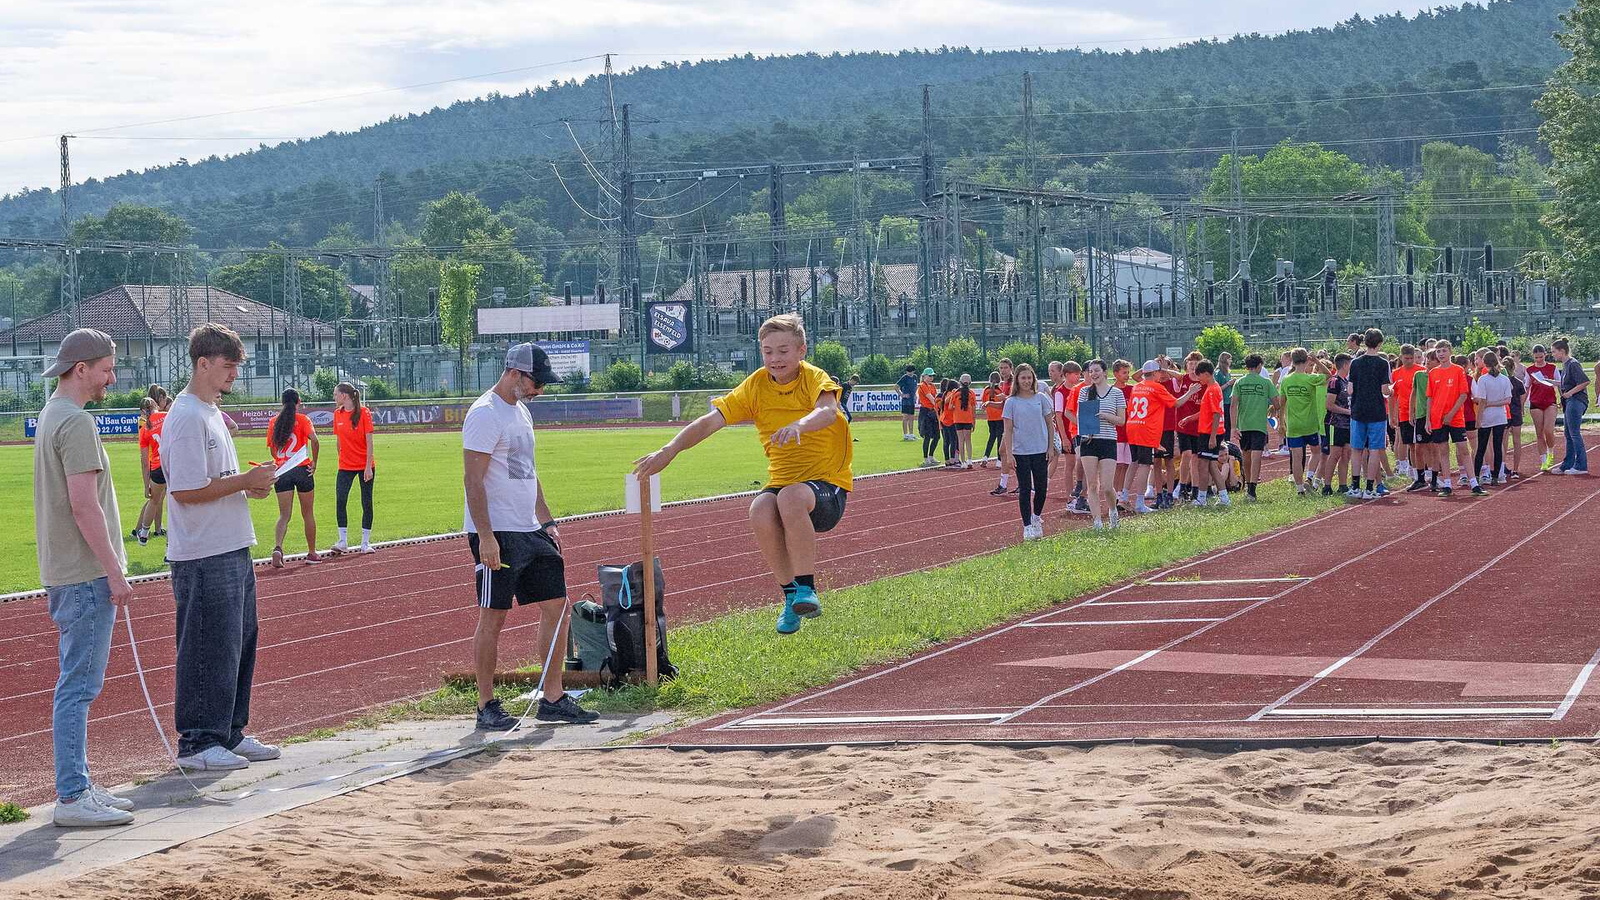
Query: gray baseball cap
<point>532,359</point>
<point>83,345</point>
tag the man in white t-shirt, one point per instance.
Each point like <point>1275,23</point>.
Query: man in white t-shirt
<point>209,536</point>
<point>512,535</point>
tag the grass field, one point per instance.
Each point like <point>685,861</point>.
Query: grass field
<point>418,490</point>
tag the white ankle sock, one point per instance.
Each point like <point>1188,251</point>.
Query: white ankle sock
<point>366,535</point>
<point>344,535</point>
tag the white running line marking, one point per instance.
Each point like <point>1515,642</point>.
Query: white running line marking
<point>868,720</point>
<point>1114,622</point>
<point>1194,600</point>
<point>1330,712</point>
<point>915,660</point>
<point>1234,580</point>
<point>1147,655</point>
<point>1577,687</point>
<point>1395,626</point>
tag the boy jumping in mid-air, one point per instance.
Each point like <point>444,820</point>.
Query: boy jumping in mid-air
<point>795,408</point>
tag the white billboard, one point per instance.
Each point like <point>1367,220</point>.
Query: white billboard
<point>549,319</point>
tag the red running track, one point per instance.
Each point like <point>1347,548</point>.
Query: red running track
<point>360,632</point>
<point>1414,616</point>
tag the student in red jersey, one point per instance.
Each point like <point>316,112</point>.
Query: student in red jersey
<point>1400,417</point>
<point>1188,427</point>
<point>1008,468</point>
<point>1449,390</point>
<point>1064,397</point>
<point>1542,405</point>
<point>1210,421</point>
<point>928,416</point>
<point>352,432</point>
<point>947,422</point>
<point>1121,370</point>
<point>1148,404</point>
<point>288,433</point>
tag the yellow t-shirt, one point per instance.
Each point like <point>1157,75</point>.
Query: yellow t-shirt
<point>821,455</point>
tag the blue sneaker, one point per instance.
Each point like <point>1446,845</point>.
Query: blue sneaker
<point>1382,489</point>
<point>805,603</point>
<point>788,620</point>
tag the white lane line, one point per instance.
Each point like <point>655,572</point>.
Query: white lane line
<point>916,660</point>
<point>1194,600</point>
<point>1395,626</point>
<point>768,722</point>
<point>1146,656</point>
<point>1114,622</point>
<point>1379,712</point>
<point>1233,580</point>
<point>1577,687</point>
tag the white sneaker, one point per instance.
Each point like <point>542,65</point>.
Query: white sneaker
<point>1222,500</point>
<point>1369,495</point>
<point>1032,532</point>
<point>88,812</point>
<point>255,751</point>
<point>339,546</point>
<point>1142,509</point>
<point>1038,525</point>
<point>107,798</point>
<point>1111,518</point>
<point>367,548</point>
<point>213,759</point>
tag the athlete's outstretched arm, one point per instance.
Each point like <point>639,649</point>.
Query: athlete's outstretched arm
<point>692,434</point>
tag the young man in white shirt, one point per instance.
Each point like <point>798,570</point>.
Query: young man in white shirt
<point>513,536</point>
<point>209,536</point>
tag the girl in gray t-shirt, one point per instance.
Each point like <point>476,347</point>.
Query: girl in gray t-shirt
<point>1029,423</point>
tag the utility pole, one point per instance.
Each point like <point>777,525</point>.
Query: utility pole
<point>69,253</point>
<point>1033,212</point>
<point>778,267</point>
<point>627,238</point>
<point>983,300</point>
<point>925,223</point>
<point>1386,255</point>
<point>1238,241</point>
<point>388,311</point>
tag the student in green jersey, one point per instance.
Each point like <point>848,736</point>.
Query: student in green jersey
<point>1255,398</point>
<point>1424,452</point>
<point>1304,404</point>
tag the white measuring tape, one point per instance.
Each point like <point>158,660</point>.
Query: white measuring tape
<point>433,758</point>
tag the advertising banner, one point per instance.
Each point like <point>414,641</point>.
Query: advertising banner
<point>107,423</point>
<point>567,357</point>
<point>874,402</point>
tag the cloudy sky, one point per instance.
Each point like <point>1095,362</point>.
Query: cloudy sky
<point>144,82</point>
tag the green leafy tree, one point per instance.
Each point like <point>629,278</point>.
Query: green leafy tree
<point>620,377</point>
<point>833,358</point>
<point>1571,109</point>
<point>681,376</point>
<point>1217,339</point>
<point>458,302</point>
<point>1018,352</point>
<point>878,369</point>
<point>962,356</point>
<point>1059,350</point>
<point>128,222</point>
<point>260,277</point>
<point>1478,335</point>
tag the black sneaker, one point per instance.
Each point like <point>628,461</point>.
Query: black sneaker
<point>1444,492</point>
<point>1327,491</point>
<point>565,710</point>
<point>492,717</point>
<point>1419,485</point>
<point>999,491</point>
<point>1478,491</point>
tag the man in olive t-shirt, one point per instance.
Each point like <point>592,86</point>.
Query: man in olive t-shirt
<point>81,563</point>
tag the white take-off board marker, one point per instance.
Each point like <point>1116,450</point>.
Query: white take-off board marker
<point>630,493</point>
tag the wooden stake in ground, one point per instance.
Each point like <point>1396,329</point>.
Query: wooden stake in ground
<point>647,540</point>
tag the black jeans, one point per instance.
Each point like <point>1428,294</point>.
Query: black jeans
<point>341,496</point>
<point>1496,433</point>
<point>949,442</point>
<point>1033,480</point>
<point>997,430</point>
<point>216,665</point>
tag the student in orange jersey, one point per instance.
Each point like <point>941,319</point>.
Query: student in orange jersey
<point>1148,405</point>
<point>962,403</point>
<point>1449,390</point>
<point>795,408</point>
<point>993,401</point>
<point>352,432</point>
<point>288,433</point>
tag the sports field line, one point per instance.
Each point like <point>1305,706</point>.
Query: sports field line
<point>1151,654</point>
<point>1577,687</point>
<point>916,660</point>
<point>1419,610</point>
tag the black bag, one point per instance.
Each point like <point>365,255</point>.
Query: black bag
<point>588,646</point>
<point>622,596</point>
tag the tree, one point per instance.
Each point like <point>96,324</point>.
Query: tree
<point>458,300</point>
<point>456,218</point>
<point>323,295</point>
<point>1571,130</point>
<point>878,369</point>
<point>962,356</point>
<point>1217,339</point>
<point>833,358</point>
<point>101,271</point>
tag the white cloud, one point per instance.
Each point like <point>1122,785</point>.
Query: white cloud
<point>81,66</point>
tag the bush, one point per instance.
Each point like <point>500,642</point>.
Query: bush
<point>1018,352</point>
<point>713,376</point>
<point>919,359</point>
<point>380,389</point>
<point>682,376</point>
<point>622,375</point>
<point>878,369</point>
<point>1478,335</point>
<point>962,356</point>
<point>1217,339</point>
<point>1059,350</point>
<point>323,381</point>
<point>833,358</point>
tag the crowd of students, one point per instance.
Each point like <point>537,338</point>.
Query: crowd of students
<point>1168,434</point>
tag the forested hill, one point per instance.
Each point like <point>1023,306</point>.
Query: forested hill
<point>750,109</point>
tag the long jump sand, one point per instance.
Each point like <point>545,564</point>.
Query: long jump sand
<point>1390,821</point>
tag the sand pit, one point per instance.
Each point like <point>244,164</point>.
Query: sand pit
<point>1395,821</point>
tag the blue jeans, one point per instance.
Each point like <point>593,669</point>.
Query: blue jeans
<point>216,665</point>
<point>1572,410</point>
<point>84,614</point>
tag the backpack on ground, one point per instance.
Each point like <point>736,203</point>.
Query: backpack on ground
<point>588,647</point>
<point>622,598</point>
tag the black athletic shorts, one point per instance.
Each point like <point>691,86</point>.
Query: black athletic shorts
<point>531,570</point>
<point>1190,443</point>
<point>1165,450</point>
<point>1252,441</point>
<point>1142,456</point>
<point>299,479</point>
<point>830,504</point>
<point>963,426</point>
<point>1419,429</point>
<point>907,406</point>
<point>1408,433</point>
<point>157,476</point>
<point>1099,448</point>
<point>1334,437</point>
<point>1204,449</point>
<point>1447,434</point>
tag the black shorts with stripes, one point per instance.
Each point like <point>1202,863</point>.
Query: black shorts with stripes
<point>531,570</point>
